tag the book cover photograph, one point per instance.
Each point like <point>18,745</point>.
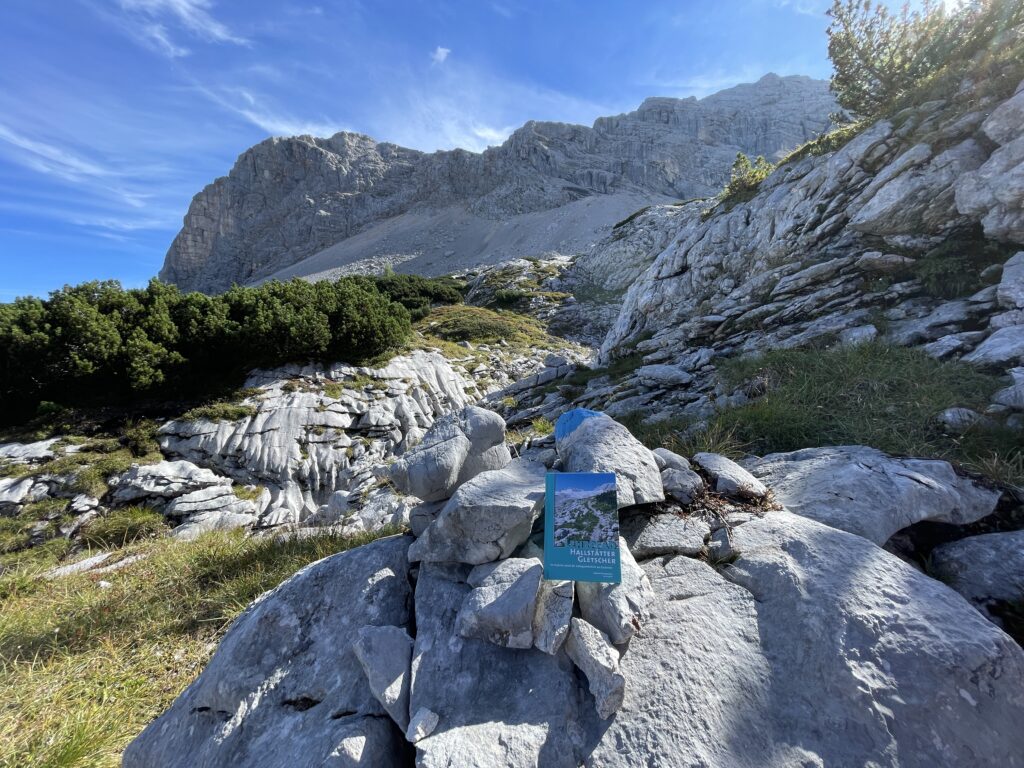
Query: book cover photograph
<point>581,531</point>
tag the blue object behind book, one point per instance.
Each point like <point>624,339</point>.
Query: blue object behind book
<point>569,420</point>
<point>581,527</point>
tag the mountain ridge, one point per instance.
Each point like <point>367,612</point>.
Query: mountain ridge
<point>288,199</point>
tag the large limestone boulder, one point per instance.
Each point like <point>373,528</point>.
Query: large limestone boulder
<point>487,518</point>
<point>986,569</point>
<point>600,444</point>
<point>867,492</point>
<point>457,448</point>
<point>285,686</point>
<point>814,648</point>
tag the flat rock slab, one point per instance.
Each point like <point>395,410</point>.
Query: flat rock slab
<point>487,518</point>
<point>819,649</point>
<point>285,686</point>
<point>163,481</point>
<point>1004,347</point>
<point>663,534</point>
<point>864,491</point>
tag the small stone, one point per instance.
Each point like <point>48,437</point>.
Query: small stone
<point>591,651</point>
<point>957,421</point>
<point>729,477</point>
<point>666,459</point>
<point>385,654</point>
<point>721,547</point>
<point>1011,397</point>
<point>551,619</point>
<point>421,725</point>
<point>683,485</point>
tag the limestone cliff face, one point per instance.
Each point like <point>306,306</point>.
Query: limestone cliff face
<point>287,199</point>
<point>830,250</point>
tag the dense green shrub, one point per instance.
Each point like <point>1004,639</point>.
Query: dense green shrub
<point>744,181</point>
<point>880,56</point>
<point>98,343</point>
<point>417,293</point>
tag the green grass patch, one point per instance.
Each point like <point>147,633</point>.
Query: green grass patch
<point>248,494</point>
<point>220,411</point>
<point>482,326</point>
<point>829,141</point>
<point>91,467</point>
<point>83,669</point>
<point>871,394</point>
<point>543,426</point>
<point>678,435</point>
<point>122,527</point>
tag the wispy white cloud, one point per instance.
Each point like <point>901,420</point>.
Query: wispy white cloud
<point>703,83</point>
<point>161,41</point>
<point>463,106</point>
<point>193,15</point>
<point>805,7</point>
<point>155,24</point>
<point>440,55</point>
<point>51,159</point>
<point>255,110</point>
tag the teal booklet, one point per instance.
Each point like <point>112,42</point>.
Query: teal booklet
<point>581,527</point>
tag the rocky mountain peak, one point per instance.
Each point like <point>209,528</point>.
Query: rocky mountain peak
<point>549,186</point>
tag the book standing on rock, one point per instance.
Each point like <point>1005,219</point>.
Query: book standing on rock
<point>581,527</point>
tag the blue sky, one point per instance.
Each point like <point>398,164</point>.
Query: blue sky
<point>113,113</point>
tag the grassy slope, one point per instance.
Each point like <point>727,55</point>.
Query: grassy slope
<point>872,394</point>
<point>84,666</point>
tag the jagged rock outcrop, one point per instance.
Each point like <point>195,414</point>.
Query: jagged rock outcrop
<point>828,250</point>
<point>812,646</point>
<point>551,186</point>
<point>305,441</point>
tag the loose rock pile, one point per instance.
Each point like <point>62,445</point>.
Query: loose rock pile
<point>453,647</point>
